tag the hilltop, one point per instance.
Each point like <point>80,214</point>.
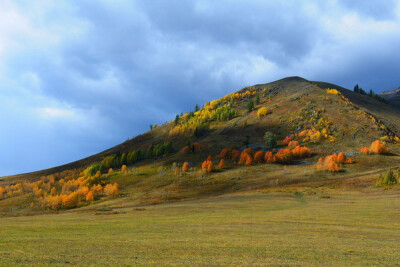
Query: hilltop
<point>321,118</point>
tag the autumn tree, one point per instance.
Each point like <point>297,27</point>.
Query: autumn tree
<point>176,171</point>
<point>246,157</point>
<point>221,164</point>
<point>225,153</point>
<point>2,192</point>
<point>235,155</point>
<point>378,147</point>
<point>293,144</point>
<point>96,188</point>
<point>283,155</point>
<point>331,165</point>
<point>301,152</point>
<point>288,139</point>
<point>365,150</point>
<point>259,156</point>
<point>249,161</point>
<point>207,165</point>
<point>124,169</point>
<point>89,197</point>
<point>269,157</point>
<point>341,157</point>
<point>333,162</point>
<point>111,190</point>
<point>185,167</point>
<point>53,191</point>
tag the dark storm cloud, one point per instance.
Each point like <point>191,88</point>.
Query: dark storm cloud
<point>97,72</point>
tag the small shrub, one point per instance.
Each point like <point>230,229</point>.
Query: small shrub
<point>269,139</point>
<point>185,167</point>
<point>263,112</point>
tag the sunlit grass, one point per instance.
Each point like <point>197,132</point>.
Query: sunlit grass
<point>242,229</point>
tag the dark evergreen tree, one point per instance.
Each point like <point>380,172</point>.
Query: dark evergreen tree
<point>250,105</point>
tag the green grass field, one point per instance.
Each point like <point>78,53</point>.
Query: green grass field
<point>259,228</point>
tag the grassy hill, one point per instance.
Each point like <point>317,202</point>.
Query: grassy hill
<point>284,209</point>
<point>294,103</point>
<point>324,120</point>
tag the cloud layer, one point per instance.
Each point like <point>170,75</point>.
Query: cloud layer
<point>78,78</point>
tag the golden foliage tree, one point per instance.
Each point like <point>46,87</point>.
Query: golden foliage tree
<point>89,197</point>
<point>263,112</point>
<point>111,190</point>
<point>124,169</point>
<point>378,147</point>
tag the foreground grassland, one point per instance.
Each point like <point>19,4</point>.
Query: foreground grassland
<point>320,226</point>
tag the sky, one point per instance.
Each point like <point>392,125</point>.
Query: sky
<point>78,77</point>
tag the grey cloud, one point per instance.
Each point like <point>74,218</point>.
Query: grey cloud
<point>377,9</point>
<point>133,63</point>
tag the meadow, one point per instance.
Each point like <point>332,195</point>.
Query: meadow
<point>308,226</point>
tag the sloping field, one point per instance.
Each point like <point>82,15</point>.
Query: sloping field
<point>318,226</point>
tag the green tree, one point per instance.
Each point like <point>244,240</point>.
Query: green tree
<point>269,139</point>
<point>196,108</point>
<point>389,178</point>
<point>250,105</point>
<point>257,100</point>
<point>176,121</point>
<point>124,159</point>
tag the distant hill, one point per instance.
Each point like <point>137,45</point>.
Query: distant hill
<point>393,97</point>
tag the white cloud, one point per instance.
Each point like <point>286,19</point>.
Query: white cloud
<point>56,113</point>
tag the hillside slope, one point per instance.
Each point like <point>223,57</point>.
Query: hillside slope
<point>295,103</point>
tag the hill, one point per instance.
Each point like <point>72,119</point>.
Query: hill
<point>266,173</point>
<point>393,97</point>
<point>322,118</point>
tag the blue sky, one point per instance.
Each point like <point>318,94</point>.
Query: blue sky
<point>77,77</point>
